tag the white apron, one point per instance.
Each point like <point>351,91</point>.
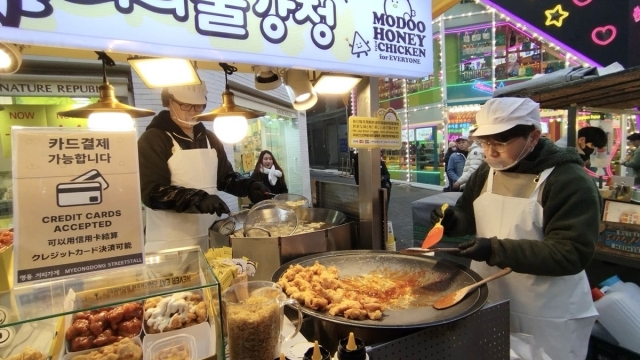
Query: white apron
<point>194,168</point>
<point>557,311</point>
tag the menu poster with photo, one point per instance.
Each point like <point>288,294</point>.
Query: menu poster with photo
<point>424,134</point>
<point>76,202</point>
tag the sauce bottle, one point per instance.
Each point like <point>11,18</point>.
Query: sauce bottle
<point>317,352</point>
<point>281,357</point>
<point>351,348</point>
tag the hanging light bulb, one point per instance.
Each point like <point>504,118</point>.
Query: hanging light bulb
<point>229,120</point>
<point>108,108</point>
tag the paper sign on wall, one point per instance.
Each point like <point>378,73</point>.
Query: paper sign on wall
<point>383,131</point>
<point>76,202</point>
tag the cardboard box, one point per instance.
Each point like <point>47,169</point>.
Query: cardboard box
<point>620,229</point>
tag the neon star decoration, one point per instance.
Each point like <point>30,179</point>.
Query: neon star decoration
<point>555,16</point>
<point>636,14</point>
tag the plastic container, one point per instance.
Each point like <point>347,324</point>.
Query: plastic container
<point>177,347</point>
<point>615,284</point>
<point>620,315</point>
<point>354,351</point>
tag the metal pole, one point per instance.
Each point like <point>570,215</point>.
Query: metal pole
<point>369,173</point>
<point>572,133</point>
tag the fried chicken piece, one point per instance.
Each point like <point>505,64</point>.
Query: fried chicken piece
<point>132,310</point>
<point>82,315</point>
<point>97,323</point>
<point>291,289</point>
<point>124,349</point>
<point>79,328</point>
<point>301,284</point>
<point>130,328</point>
<point>201,312</point>
<point>105,338</point>
<point>28,353</point>
<point>375,315</point>
<point>329,281</point>
<point>344,306</point>
<point>153,302</point>
<point>315,303</point>
<point>115,316</point>
<point>355,314</point>
<point>82,343</point>
<point>373,307</point>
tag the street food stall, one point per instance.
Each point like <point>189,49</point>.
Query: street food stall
<point>77,282</point>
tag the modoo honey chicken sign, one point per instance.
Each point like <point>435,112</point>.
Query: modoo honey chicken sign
<point>76,202</point>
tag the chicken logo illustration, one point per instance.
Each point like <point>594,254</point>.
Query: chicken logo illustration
<point>359,46</point>
<point>388,115</point>
<point>401,8</point>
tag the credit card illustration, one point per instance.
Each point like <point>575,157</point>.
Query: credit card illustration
<point>93,175</point>
<point>79,193</point>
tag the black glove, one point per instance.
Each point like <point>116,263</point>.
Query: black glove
<point>448,218</point>
<point>210,204</point>
<point>258,192</point>
<point>478,249</point>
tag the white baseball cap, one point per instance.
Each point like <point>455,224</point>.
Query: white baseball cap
<point>189,94</point>
<point>501,114</point>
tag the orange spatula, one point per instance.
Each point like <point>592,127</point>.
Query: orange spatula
<point>435,234</point>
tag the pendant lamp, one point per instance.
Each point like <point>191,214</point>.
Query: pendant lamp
<point>108,108</point>
<point>229,120</point>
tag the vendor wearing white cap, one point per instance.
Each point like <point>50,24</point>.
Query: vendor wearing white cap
<point>532,208</point>
<point>182,167</point>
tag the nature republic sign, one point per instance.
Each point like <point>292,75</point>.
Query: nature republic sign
<point>390,38</point>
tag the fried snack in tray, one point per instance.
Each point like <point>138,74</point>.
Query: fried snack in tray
<point>318,288</point>
<point>176,311</point>
<point>28,353</point>
<point>96,328</point>
<point>124,349</point>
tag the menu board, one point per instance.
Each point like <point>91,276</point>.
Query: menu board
<point>76,202</point>
<point>424,133</point>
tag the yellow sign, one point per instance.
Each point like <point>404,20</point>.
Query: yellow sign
<point>76,202</point>
<point>383,131</point>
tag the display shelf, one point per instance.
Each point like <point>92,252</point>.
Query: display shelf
<point>164,273</point>
<point>604,255</point>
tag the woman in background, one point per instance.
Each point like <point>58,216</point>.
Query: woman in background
<point>269,173</point>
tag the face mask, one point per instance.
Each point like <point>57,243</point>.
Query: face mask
<point>185,122</point>
<point>496,165</point>
<point>587,153</point>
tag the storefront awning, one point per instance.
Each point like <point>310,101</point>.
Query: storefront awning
<point>438,7</point>
<point>619,90</point>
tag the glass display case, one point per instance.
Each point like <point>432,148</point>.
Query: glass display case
<point>47,320</point>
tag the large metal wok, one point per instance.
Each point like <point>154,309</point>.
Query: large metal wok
<point>395,323</point>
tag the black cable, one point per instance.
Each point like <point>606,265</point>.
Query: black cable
<point>228,70</point>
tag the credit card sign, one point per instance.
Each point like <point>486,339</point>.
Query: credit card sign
<point>76,202</point>
<point>75,194</point>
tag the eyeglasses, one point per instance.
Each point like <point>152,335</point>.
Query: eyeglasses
<point>188,107</point>
<point>497,146</point>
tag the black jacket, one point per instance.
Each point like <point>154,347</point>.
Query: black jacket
<point>385,177</point>
<point>279,188</point>
<point>155,147</point>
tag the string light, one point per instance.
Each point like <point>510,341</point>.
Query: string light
<point>493,49</point>
<point>532,34</point>
<point>406,127</point>
<point>443,79</point>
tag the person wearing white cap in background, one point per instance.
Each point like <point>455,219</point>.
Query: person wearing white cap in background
<point>532,208</point>
<point>182,167</point>
<point>455,166</point>
<point>475,158</point>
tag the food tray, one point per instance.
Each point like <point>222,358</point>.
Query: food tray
<point>70,356</point>
<point>73,318</point>
<point>162,349</point>
<point>145,326</point>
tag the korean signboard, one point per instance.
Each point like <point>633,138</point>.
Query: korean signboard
<point>76,202</point>
<point>389,38</point>
<point>381,132</point>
